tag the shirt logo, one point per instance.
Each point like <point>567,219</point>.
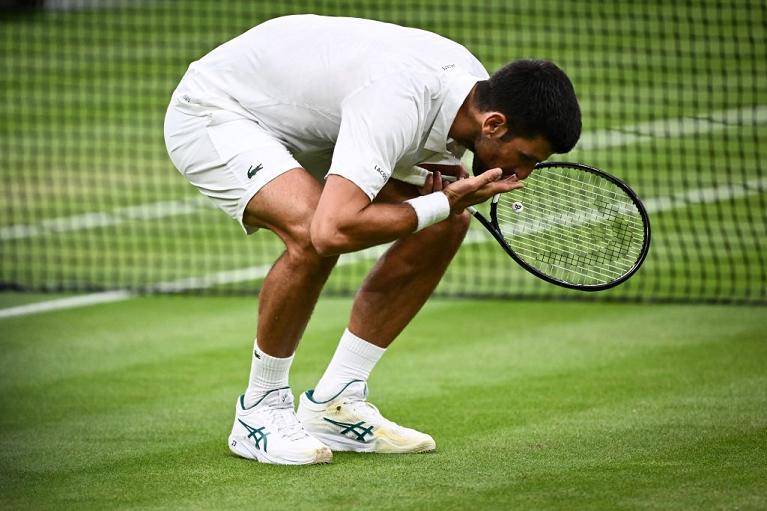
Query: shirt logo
<point>382,172</point>
<point>252,171</point>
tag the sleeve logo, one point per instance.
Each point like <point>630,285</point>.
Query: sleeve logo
<point>382,172</point>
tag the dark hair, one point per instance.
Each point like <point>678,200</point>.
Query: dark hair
<point>537,98</point>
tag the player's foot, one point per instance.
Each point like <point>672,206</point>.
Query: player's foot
<point>270,433</point>
<point>347,422</point>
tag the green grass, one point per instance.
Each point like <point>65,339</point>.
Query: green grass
<point>532,405</point>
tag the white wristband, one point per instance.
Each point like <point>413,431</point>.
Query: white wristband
<point>430,209</point>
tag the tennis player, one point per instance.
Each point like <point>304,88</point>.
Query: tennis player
<point>338,134</point>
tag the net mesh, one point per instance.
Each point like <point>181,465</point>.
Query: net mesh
<point>673,96</point>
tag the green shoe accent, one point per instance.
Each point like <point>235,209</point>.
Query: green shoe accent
<point>310,393</point>
<point>242,398</point>
<point>257,434</point>
<point>356,429</point>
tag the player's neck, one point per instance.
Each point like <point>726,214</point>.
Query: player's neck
<point>465,128</point>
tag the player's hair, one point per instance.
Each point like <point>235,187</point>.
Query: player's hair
<point>537,98</point>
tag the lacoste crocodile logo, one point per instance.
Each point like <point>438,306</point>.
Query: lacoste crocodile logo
<point>252,170</point>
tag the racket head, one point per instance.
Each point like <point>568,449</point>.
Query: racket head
<point>574,226</point>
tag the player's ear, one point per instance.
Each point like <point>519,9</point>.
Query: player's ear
<point>494,125</point>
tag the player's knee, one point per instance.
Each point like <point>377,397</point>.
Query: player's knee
<point>302,252</point>
<point>460,223</point>
<point>453,229</point>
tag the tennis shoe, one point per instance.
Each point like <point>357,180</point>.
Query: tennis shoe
<point>269,432</point>
<point>348,422</point>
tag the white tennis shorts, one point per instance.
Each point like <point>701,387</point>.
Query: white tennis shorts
<point>228,157</point>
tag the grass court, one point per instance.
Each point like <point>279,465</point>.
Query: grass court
<point>532,405</point>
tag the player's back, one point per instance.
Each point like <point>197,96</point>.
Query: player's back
<point>311,63</point>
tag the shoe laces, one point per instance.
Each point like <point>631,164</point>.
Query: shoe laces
<point>287,423</point>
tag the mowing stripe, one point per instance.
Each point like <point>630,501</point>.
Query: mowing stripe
<point>602,139</point>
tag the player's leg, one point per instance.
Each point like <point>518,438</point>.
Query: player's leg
<point>290,291</point>
<point>403,279</point>
<point>254,179</point>
<point>291,288</point>
<point>287,298</point>
<point>394,291</point>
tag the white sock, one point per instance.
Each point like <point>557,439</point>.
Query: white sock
<point>266,373</point>
<point>354,359</point>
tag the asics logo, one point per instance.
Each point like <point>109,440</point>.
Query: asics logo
<point>357,430</point>
<point>257,434</point>
<point>252,170</point>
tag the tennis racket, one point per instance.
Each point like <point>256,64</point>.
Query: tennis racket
<point>572,225</point>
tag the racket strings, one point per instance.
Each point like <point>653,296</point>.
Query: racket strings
<point>583,248</point>
<point>584,230</point>
<point>586,261</point>
<point>607,269</point>
<point>579,228</point>
<point>574,225</point>
<point>576,219</point>
<point>578,222</point>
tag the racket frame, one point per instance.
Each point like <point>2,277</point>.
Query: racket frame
<point>494,229</point>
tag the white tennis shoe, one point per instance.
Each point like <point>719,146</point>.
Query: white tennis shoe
<point>348,422</point>
<point>270,433</point>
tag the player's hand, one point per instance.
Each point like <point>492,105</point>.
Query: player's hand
<point>473,190</point>
<point>434,183</point>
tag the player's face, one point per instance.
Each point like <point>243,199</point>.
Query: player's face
<point>514,155</point>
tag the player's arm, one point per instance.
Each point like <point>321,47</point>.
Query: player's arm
<point>380,123</point>
<point>346,220</point>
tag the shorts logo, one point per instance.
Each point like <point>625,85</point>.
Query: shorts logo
<point>252,170</point>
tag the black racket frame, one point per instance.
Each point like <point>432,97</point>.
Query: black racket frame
<point>494,229</point>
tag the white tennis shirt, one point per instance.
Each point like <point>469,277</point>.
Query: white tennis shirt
<point>378,97</point>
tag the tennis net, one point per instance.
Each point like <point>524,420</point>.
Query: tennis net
<point>674,101</point>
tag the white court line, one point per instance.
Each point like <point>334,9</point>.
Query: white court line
<point>252,273</point>
<point>713,122</point>
<point>66,303</point>
<point>602,139</point>
<point>150,211</point>
<point>678,127</point>
<point>175,286</point>
<point>707,195</point>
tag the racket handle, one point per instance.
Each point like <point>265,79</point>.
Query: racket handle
<point>472,210</point>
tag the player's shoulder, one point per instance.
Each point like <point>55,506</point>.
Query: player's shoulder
<point>372,51</point>
<point>362,32</point>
